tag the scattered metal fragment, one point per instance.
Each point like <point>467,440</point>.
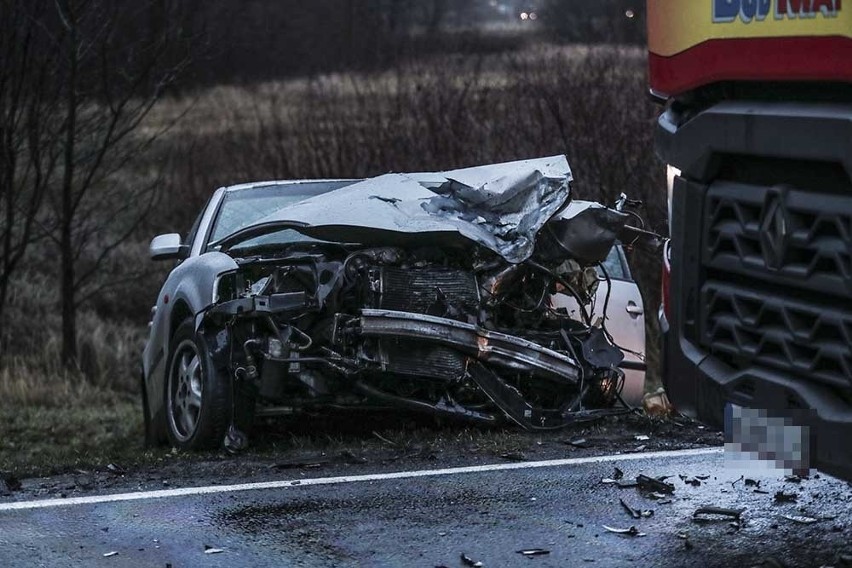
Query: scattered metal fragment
<point>761,492</point>
<point>737,480</point>
<point>703,512</point>
<point>636,513</point>
<point>578,443</point>
<point>752,483</point>
<point>533,552</point>
<point>650,484</point>
<point>800,519</point>
<point>212,550</point>
<point>617,473</point>
<point>695,482</point>
<point>782,497</point>
<point>632,531</point>
<point>468,561</point>
<point>702,477</point>
<point>110,553</point>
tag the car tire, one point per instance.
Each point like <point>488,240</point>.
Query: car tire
<point>197,395</point>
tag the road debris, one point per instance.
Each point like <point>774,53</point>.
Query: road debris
<point>212,550</point>
<point>657,403</point>
<point>694,481</point>
<point>783,497</point>
<point>632,531</point>
<point>800,519</point>
<point>647,483</point>
<point>617,473</point>
<point>514,456</point>
<point>641,438</point>
<point>110,553</point>
<point>468,561</point>
<point>533,552</point>
<point>636,513</point>
<point>702,513</point>
<point>752,483</point>
<point>578,443</point>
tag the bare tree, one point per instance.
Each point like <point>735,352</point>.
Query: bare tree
<point>26,129</point>
<point>110,73</point>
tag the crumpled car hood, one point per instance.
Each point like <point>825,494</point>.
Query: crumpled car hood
<point>501,207</point>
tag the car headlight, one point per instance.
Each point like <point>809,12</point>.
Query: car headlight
<point>226,287</point>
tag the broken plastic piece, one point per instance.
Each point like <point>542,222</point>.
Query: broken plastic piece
<point>212,550</point>
<point>468,561</point>
<point>703,512</point>
<point>632,531</point>
<point>650,484</point>
<point>111,553</point>
<point>800,519</point>
<point>235,440</point>
<point>782,497</point>
<point>533,552</point>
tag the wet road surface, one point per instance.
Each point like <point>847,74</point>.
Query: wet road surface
<point>429,520</point>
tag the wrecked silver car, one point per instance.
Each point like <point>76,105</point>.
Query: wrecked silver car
<point>431,292</point>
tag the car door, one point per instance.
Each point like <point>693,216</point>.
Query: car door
<point>625,319</point>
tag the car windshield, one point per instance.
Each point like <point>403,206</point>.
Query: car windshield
<point>244,208</point>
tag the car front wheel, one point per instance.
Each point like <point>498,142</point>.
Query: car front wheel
<point>197,395</point>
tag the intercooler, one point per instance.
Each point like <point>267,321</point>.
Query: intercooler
<point>433,290</point>
<point>423,290</point>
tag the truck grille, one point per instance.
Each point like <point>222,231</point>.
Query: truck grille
<point>751,327</point>
<point>778,280</point>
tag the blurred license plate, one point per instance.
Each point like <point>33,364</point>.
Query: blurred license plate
<point>776,439</point>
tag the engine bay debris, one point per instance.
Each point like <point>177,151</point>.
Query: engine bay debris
<point>429,292</point>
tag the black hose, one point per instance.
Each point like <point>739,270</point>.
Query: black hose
<point>580,302</point>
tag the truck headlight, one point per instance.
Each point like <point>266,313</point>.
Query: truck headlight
<point>671,173</point>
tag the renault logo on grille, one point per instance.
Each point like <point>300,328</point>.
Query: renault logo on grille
<point>775,231</point>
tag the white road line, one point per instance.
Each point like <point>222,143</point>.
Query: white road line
<point>214,489</point>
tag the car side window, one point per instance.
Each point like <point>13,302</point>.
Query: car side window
<point>193,232</point>
<point>190,237</point>
<point>614,265</point>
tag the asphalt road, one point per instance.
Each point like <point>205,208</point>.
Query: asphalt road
<point>431,519</point>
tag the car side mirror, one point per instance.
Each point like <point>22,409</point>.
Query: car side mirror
<point>168,247</point>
